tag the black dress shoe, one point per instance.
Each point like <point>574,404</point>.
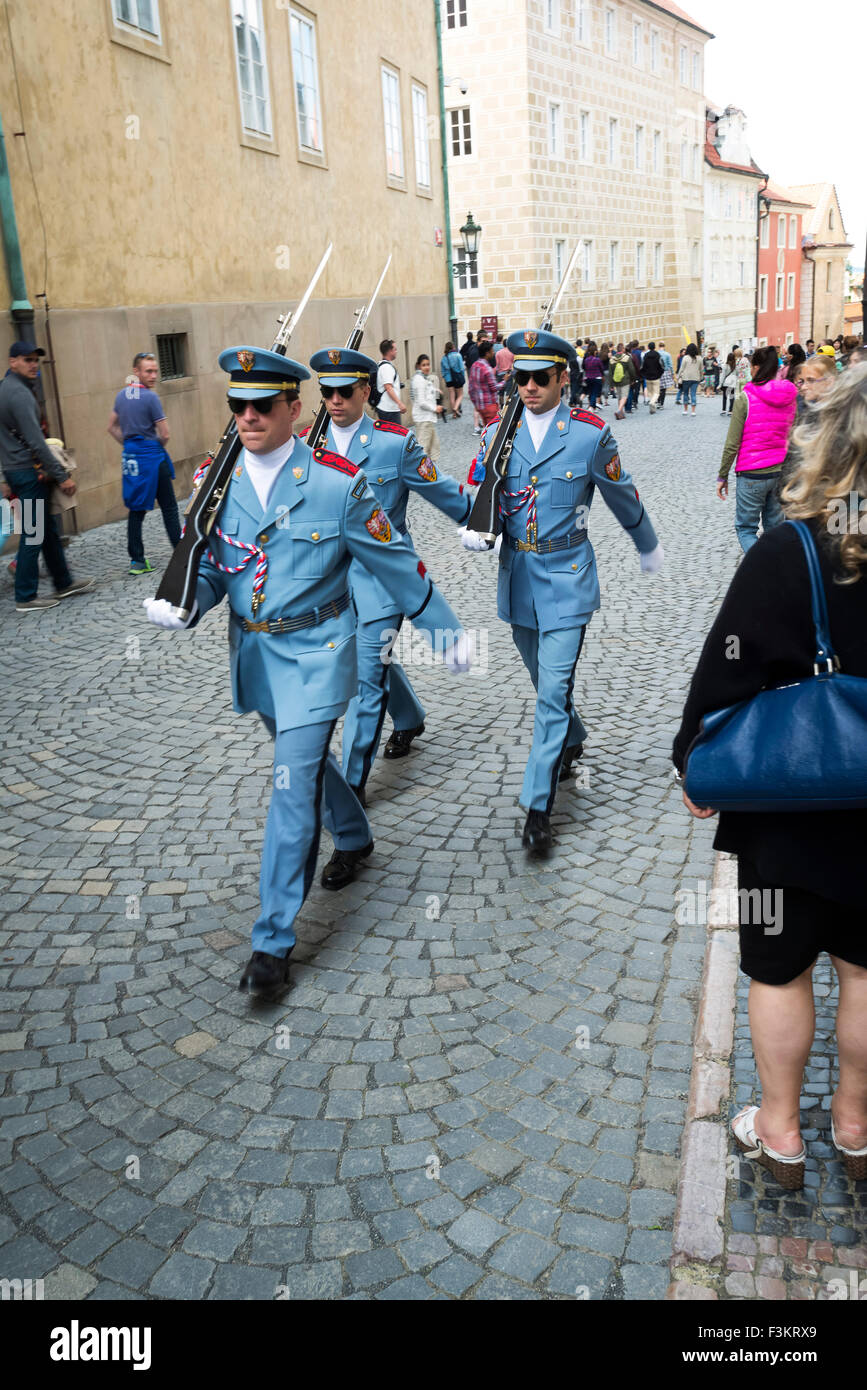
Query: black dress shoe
<point>570,756</point>
<point>401,741</point>
<point>359,792</point>
<point>265,974</point>
<point>342,866</point>
<point>537,837</point>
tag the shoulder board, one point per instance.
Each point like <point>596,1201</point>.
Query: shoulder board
<point>336,461</point>
<point>304,433</point>
<point>588,418</point>
<point>389,427</point>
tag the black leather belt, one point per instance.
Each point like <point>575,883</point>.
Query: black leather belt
<point>277,626</point>
<point>546,547</point>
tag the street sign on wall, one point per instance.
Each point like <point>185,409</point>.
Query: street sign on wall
<point>489,325</point>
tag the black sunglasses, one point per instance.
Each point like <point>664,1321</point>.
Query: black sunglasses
<point>344,391</point>
<point>262,407</point>
<point>540,378</point>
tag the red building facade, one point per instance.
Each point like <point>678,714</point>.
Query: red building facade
<point>779,266</point>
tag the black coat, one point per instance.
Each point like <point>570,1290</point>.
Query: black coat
<point>767,608</point>
<point>651,366</point>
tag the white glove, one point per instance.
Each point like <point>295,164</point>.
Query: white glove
<point>497,543</point>
<point>651,561</point>
<point>164,614</point>
<point>473,540</point>
<point>459,655</point>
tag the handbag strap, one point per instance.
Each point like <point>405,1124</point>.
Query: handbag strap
<point>825,654</point>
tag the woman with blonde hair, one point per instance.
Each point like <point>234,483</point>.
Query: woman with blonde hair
<point>810,864</point>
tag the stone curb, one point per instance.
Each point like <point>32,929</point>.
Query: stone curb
<point>699,1239</point>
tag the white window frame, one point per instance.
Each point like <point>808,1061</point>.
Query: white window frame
<point>265,132</point>
<point>420,138</point>
<point>552,16</point>
<point>134,26</point>
<point>586,263</point>
<point>585,137</point>
<point>455,14</point>
<point>304,21</point>
<point>779,291</point>
<point>790,290</point>
<point>657,263</point>
<point>728,205</point>
<point>559,260</point>
<point>681,71</point>
<point>696,164</point>
<point>555,130</point>
<point>640,263</point>
<point>654,50</point>
<point>469,281</point>
<point>387,76</point>
<point>781,229</point>
<point>610,32</point>
<point>696,71</point>
<point>614,262</point>
<point>657,151</point>
<point>714,266</point>
<point>793,231</point>
<point>582,27</point>
<point>695,260</point>
<point>638,147</point>
<point>637,42</point>
<point>464,128</point>
<point>763,294</point>
<point>765,230</point>
<point>742,270</point>
<point>613,140</point>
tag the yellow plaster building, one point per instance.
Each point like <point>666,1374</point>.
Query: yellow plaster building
<point>826,251</point>
<point>188,162</point>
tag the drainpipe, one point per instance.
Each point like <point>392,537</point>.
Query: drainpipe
<point>760,198</point>
<point>22,309</point>
<point>810,261</point>
<point>453,318</point>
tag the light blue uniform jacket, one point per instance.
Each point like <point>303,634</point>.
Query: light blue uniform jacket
<point>314,528</point>
<point>561,588</point>
<point>395,465</point>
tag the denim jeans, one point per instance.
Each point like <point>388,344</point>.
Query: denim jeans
<point>756,499</point>
<point>168,505</point>
<point>690,391</point>
<point>35,498</point>
<point>594,389</point>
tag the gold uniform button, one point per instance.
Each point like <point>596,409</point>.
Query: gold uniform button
<point>316,535</point>
<point>380,480</point>
<point>574,567</point>
<point>568,475</point>
<point>536,492</point>
<point>263,537</point>
<point>534,480</point>
<point>331,644</point>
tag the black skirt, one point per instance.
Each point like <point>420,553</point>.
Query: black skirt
<point>784,928</point>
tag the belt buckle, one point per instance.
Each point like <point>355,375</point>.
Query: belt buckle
<point>524,545</point>
<point>256,627</point>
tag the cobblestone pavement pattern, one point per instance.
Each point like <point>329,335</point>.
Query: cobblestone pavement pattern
<point>477,1086</point>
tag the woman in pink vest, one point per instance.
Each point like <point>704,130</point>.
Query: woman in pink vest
<point>756,443</point>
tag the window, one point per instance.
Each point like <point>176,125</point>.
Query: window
<point>552,16</point>
<point>305,72</point>
<point>765,231</point>
<point>714,198</point>
<point>695,164</point>
<point>830,219</point>
<point>610,33</point>
<point>684,155</point>
<point>639,147</point>
<point>657,262</point>
<point>728,264</point>
<point>469,281</point>
<point>654,50</point>
<point>781,229</point>
<point>584,136</point>
<point>559,261</point>
<point>613,262</point>
<point>555,129</point>
<point>790,338</point>
<point>581,21</point>
<point>391,116</point>
<point>419,130</point>
<point>462,142</point>
<point>827,282</point>
<point>639,263</point>
<point>636,43</point>
<point>252,73</point>
<point>714,265</point>
<point>456,14</point>
<point>657,151</point>
<point>790,291</point>
<point>741,204</point>
<point>682,69</point>
<point>742,270</point>
<point>728,207</point>
<point>763,294</point>
<point>587,263</point>
<point>778,292</point>
<point>138,14</point>
<point>696,72</point>
<point>793,231</point>
<point>612,140</point>
<point>172,355</point>
<point>695,260</point>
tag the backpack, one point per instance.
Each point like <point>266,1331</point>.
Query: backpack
<point>618,374</point>
<point>375,394</point>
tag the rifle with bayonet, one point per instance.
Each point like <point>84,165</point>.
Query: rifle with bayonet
<point>178,584</point>
<point>485,515</point>
<point>315,436</point>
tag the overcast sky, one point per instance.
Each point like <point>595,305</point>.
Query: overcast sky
<point>796,70</point>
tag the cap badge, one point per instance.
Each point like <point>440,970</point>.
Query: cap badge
<point>246,360</point>
<point>531,339</point>
<point>334,356</point>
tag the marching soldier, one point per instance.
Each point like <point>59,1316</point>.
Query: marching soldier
<point>548,588</point>
<point>395,464</point>
<point>291,522</point>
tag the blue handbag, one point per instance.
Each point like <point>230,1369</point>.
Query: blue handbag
<point>798,747</point>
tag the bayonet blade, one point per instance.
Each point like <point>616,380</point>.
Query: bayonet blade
<point>555,302</point>
<point>365,313</point>
<point>288,327</point>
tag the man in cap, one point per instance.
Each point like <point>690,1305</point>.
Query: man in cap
<point>291,521</point>
<point>395,464</point>
<point>30,470</point>
<point>548,587</point>
<point>138,423</point>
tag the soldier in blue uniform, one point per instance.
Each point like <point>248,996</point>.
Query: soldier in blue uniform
<point>395,464</point>
<point>548,589</point>
<point>291,523</point>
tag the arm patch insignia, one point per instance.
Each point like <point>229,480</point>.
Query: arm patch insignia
<point>588,417</point>
<point>613,469</point>
<point>360,488</point>
<point>336,461</point>
<point>379,525</point>
<point>427,470</point>
<point>389,427</point>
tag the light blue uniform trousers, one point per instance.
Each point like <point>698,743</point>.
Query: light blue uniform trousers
<point>550,658</point>
<point>308,789</point>
<point>381,685</point>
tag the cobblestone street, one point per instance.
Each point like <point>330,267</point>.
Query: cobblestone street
<point>476,1088</point>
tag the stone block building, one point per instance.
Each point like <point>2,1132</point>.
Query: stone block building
<point>732,181</point>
